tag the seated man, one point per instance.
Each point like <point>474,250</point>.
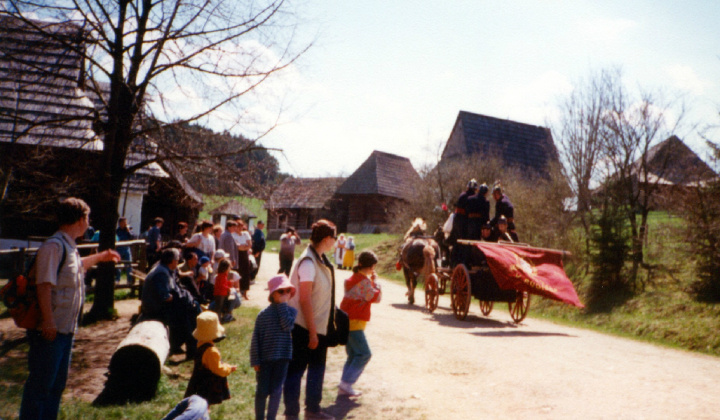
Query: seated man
<point>501,233</point>
<point>164,301</point>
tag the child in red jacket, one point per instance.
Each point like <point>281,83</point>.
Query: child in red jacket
<point>361,290</point>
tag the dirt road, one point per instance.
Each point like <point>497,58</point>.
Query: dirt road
<point>431,366</point>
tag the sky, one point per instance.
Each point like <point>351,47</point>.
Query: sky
<point>393,75</point>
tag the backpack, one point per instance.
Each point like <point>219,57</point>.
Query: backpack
<point>20,295</point>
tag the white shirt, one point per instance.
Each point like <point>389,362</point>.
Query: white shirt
<point>242,238</point>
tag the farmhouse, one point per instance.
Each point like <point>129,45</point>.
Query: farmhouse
<point>300,202</point>
<point>529,148</point>
<point>51,119</point>
<point>368,195</point>
<point>231,209</point>
<point>673,168</point>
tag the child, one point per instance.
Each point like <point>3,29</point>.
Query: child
<point>271,346</point>
<point>349,257</point>
<point>209,376</point>
<point>221,291</point>
<point>361,290</point>
<point>204,269</point>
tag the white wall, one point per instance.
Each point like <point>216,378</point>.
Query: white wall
<point>133,210</point>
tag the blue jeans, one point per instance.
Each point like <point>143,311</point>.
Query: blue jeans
<point>270,380</point>
<point>359,355</point>
<point>193,407</point>
<point>314,362</point>
<point>48,365</point>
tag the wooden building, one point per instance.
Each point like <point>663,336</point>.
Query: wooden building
<point>51,119</point>
<point>368,195</point>
<point>672,169</point>
<point>529,148</point>
<point>231,209</point>
<point>300,202</point>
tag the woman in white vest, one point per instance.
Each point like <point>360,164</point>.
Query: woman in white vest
<point>313,276</point>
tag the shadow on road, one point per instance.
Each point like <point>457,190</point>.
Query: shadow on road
<point>519,333</point>
<point>408,307</point>
<point>342,406</point>
<point>471,321</point>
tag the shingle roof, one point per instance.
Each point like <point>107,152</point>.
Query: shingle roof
<point>674,162</point>
<point>384,174</point>
<point>235,208</point>
<point>305,193</point>
<point>520,145</point>
<point>41,72</point>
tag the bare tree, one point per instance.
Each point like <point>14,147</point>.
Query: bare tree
<point>213,53</point>
<point>633,125</point>
<point>580,134</point>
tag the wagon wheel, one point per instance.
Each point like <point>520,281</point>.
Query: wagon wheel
<point>486,306</point>
<point>443,276</point>
<point>460,291</point>
<point>431,292</point>
<point>519,308</point>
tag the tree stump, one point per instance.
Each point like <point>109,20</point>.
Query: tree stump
<point>136,365</point>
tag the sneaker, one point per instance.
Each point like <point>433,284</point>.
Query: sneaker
<point>318,416</point>
<point>345,388</point>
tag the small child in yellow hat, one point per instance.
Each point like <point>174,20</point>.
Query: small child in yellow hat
<point>209,376</point>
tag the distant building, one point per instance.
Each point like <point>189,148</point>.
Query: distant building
<point>529,148</point>
<point>673,169</point>
<point>230,210</point>
<point>300,202</point>
<point>368,195</point>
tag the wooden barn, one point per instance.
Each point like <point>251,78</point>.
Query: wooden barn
<point>368,195</point>
<point>529,148</point>
<point>231,209</point>
<point>673,168</point>
<point>51,134</point>
<point>300,202</point>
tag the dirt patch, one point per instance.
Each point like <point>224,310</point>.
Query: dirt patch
<point>94,346</point>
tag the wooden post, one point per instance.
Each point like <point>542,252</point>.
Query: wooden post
<point>136,365</point>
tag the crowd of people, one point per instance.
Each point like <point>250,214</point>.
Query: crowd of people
<point>193,285</point>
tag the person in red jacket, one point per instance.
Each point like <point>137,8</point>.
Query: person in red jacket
<point>361,290</point>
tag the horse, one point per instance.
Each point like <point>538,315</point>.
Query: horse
<point>417,257</point>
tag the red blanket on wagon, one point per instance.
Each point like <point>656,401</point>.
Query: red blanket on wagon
<point>532,270</point>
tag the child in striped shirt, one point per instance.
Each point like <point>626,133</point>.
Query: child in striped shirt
<point>271,346</point>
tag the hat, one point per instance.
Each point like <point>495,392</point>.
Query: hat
<point>208,327</point>
<point>220,253</point>
<point>281,281</point>
<point>486,225</point>
<point>204,260</point>
<point>502,220</point>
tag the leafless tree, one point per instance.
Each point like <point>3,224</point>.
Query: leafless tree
<point>635,123</point>
<point>193,59</point>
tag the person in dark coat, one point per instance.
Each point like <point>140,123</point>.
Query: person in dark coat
<point>478,209</point>
<point>503,207</point>
<point>258,246</point>
<point>501,232</point>
<point>459,229</point>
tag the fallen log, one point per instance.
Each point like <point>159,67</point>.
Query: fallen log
<point>136,365</point>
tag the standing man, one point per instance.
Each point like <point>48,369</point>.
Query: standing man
<point>503,207</point>
<point>288,240</point>
<point>59,273</point>
<point>227,243</point>
<point>460,220</point>
<point>478,212</point>
<point>123,233</point>
<point>258,246</point>
<point>154,241</point>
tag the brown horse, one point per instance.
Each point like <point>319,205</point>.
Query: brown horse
<point>417,257</point>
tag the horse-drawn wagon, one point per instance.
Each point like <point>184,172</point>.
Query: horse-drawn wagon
<point>491,272</point>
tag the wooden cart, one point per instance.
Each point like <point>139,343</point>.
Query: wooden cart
<point>472,278</point>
